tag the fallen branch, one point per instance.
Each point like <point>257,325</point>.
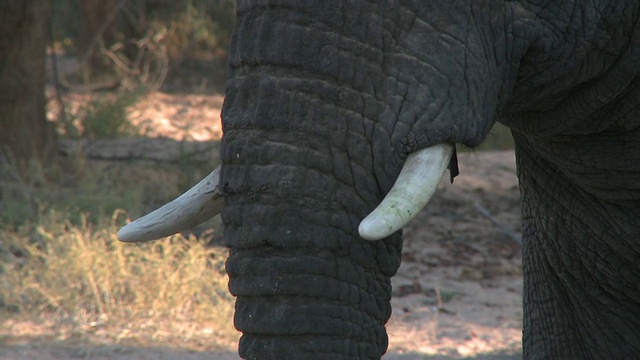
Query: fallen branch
<point>163,150</point>
<point>501,227</point>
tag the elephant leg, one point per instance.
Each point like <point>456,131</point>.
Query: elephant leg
<point>581,267</point>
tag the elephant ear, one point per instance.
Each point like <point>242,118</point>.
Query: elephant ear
<point>198,204</point>
<point>413,189</point>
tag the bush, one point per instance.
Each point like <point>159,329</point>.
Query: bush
<point>106,116</point>
<point>60,259</point>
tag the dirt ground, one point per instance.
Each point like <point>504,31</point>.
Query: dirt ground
<point>457,294</point>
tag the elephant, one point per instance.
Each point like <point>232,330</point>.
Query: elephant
<point>340,117</point>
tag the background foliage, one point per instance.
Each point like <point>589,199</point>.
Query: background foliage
<point>193,25</point>
<point>60,260</point>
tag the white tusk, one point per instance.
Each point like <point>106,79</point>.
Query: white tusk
<point>415,185</point>
<point>198,204</point>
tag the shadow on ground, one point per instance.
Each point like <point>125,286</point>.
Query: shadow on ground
<point>62,350</point>
<point>491,356</point>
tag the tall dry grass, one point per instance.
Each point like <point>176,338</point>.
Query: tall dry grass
<point>65,263</point>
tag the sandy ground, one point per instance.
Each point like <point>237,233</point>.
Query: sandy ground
<point>457,294</point>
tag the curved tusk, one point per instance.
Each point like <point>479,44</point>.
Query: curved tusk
<point>415,185</point>
<point>198,204</point>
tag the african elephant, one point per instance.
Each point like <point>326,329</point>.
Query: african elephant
<point>328,103</point>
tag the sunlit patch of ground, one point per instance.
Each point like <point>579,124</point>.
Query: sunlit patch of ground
<point>180,117</point>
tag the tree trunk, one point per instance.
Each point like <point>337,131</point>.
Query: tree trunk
<point>24,130</point>
<point>97,25</point>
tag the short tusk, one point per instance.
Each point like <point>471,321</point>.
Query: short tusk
<point>415,185</point>
<point>198,204</point>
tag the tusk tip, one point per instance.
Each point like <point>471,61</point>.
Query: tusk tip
<point>131,233</point>
<point>374,229</point>
<point>126,234</point>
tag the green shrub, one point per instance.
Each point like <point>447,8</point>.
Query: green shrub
<point>106,116</point>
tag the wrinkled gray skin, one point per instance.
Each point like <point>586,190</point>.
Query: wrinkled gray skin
<point>326,99</point>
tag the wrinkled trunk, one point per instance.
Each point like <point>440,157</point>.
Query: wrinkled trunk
<point>322,107</point>
<point>308,287</point>
<point>305,290</point>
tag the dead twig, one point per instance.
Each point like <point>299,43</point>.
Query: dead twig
<point>517,238</point>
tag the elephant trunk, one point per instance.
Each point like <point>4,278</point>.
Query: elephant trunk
<point>304,290</point>
<point>307,286</point>
<point>298,177</point>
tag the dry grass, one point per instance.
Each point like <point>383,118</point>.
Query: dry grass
<point>66,264</point>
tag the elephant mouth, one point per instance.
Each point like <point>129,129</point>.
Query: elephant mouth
<point>412,190</point>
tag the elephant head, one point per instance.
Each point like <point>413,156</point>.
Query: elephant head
<point>330,103</point>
